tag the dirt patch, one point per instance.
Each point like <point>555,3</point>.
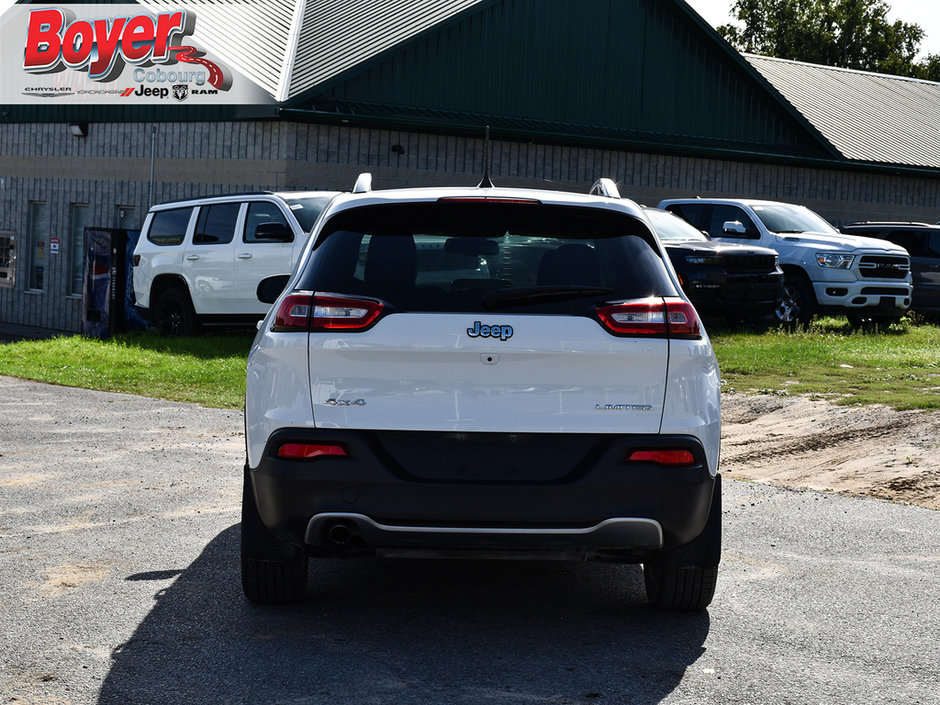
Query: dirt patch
<point>65,577</point>
<point>872,450</point>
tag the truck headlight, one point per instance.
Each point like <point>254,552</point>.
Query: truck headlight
<point>834,261</point>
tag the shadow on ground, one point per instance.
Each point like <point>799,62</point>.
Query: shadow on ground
<point>406,631</point>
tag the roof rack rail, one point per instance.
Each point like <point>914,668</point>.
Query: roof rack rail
<point>605,187</point>
<point>363,183</point>
<point>890,222</point>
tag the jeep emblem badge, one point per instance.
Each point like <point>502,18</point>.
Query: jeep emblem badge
<point>481,331</point>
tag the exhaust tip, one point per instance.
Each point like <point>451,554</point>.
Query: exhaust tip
<point>340,534</point>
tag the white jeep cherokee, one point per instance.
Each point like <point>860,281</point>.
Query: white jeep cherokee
<point>466,370</point>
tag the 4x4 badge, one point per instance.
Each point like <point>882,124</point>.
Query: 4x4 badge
<point>345,402</point>
<point>481,331</point>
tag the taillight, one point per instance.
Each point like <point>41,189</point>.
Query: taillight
<point>305,311</point>
<point>294,313</point>
<point>683,320</point>
<point>655,317</point>
<point>668,458</point>
<point>340,313</point>
<point>308,451</point>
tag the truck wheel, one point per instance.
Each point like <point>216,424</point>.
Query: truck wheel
<point>174,314</point>
<point>798,304</point>
<point>273,571</point>
<point>685,579</point>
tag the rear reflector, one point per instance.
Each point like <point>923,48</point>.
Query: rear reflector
<point>307,311</point>
<point>307,451</point>
<point>664,318</point>
<point>669,458</point>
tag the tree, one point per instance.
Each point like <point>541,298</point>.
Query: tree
<point>854,34</point>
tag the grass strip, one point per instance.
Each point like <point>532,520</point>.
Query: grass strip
<point>208,370</point>
<point>899,366</point>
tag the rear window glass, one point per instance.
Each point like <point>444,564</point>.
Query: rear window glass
<point>306,210</point>
<point>477,257</point>
<point>169,227</point>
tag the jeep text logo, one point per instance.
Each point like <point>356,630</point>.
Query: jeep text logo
<point>481,331</point>
<point>55,41</point>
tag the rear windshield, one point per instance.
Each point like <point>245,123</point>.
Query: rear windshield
<point>474,257</point>
<point>307,210</point>
<point>169,227</point>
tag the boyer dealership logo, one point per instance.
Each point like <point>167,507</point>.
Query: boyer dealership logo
<point>56,40</point>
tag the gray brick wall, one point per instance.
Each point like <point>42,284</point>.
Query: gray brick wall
<point>111,167</point>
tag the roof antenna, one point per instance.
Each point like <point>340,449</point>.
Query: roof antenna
<point>485,182</point>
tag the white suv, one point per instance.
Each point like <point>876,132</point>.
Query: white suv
<point>825,271</point>
<point>483,370</point>
<point>202,260</point>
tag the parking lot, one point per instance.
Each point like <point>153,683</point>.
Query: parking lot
<point>119,551</point>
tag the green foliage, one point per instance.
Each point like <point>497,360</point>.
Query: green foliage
<point>854,34</point>
<point>899,367</point>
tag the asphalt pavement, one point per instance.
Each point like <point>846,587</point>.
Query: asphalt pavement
<point>120,585</point>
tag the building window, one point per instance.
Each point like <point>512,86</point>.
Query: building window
<point>7,258</point>
<point>37,242</point>
<point>78,221</point>
<point>126,217</point>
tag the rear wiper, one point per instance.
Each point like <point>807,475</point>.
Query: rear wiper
<point>503,298</point>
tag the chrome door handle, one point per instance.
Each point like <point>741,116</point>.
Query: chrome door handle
<point>244,255</point>
<point>192,258</point>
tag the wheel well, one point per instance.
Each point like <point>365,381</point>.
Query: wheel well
<point>794,271</point>
<point>165,282</point>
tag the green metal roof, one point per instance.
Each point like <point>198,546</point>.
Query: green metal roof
<point>644,70</point>
<point>338,35</point>
<point>868,117</point>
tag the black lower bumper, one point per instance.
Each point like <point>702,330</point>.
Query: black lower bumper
<point>482,490</point>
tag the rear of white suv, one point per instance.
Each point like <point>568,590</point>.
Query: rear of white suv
<point>483,370</point>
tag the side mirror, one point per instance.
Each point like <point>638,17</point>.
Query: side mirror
<point>278,232</point>
<point>733,227</point>
<point>270,288</point>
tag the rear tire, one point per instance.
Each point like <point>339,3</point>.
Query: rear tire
<point>685,579</point>
<point>273,572</point>
<point>174,313</point>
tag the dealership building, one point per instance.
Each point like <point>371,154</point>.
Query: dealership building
<point>313,92</point>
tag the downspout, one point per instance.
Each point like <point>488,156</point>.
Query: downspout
<point>153,152</point>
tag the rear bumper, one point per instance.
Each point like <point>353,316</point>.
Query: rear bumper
<point>375,499</point>
<point>614,533</point>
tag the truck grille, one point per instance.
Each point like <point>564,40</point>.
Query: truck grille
<point>884,267</point>
<point>749,263</point>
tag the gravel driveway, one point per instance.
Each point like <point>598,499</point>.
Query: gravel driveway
<point>118,551</point>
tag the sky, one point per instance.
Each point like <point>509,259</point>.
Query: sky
<point>926,13</point>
